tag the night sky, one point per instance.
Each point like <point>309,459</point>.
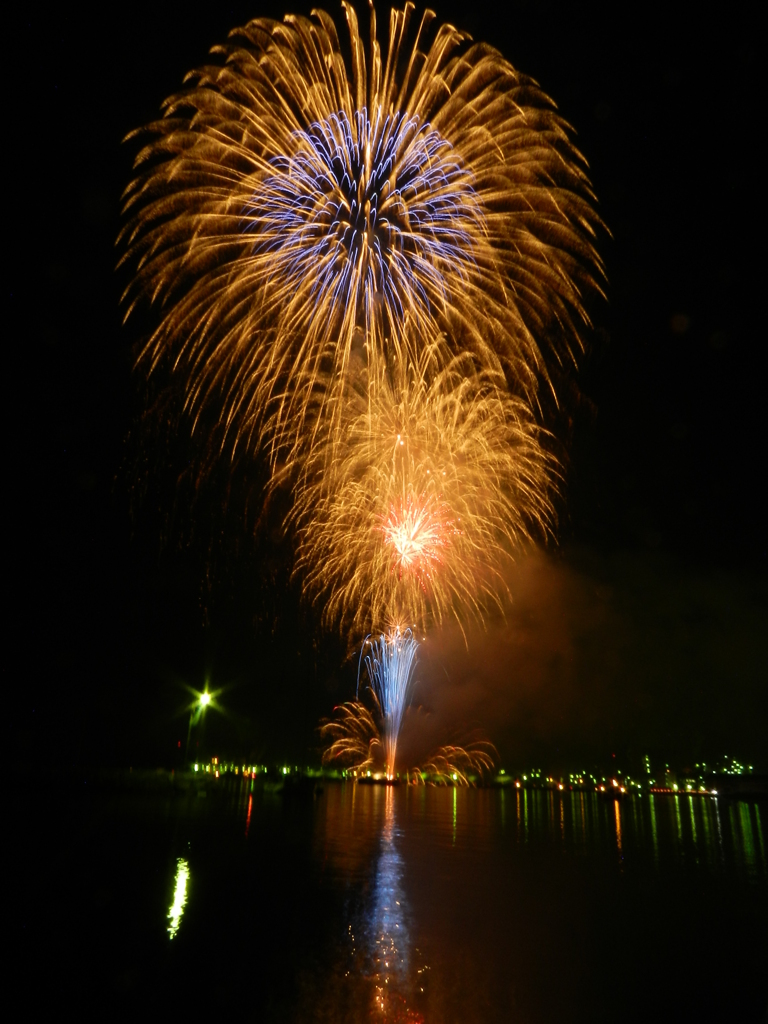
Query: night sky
<point>642,629</point>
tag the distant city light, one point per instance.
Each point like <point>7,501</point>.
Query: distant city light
<point>677,782</point>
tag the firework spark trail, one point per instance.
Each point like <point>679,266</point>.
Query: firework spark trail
<point>352,737</point>
<point>390,663</point>
<point>292,213</point>
<point>455,765</point>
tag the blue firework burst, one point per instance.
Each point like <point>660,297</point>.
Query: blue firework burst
<point>371,213</point>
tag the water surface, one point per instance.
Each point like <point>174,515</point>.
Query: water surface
<point>401,904</point>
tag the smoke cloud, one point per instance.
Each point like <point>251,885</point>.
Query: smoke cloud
<point>601,655</point>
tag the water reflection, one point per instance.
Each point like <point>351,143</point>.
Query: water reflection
<point>387,931</point>
<point>176,910</point>
<point>360,838</point>
<point>248,814</point>
<point>397,922</point>
<point>719,828</point>
<point>452,905</point>
<point>760,836</point>
<point>746,825</point>
<point>363,827</point>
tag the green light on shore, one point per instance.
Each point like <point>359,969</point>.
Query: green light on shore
<point>205,699</point>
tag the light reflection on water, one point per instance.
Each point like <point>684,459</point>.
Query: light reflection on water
<point>176,909</point>
<point>406,904</point>
<point>386,930</point>
<point>410,860</point>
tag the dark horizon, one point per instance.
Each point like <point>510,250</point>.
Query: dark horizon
<point>641,630</point>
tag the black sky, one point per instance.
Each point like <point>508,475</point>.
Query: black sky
<point>663,525</point>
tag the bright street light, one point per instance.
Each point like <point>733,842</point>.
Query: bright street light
<point>196,709</point>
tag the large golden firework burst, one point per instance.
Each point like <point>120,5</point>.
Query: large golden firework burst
<point>295,213</point>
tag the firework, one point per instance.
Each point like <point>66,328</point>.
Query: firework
<point>351,738</point>
<point>366,269</point>
<point>390,662</point>
<point>416,531</point>
<point>424,503</point>
<point>456,765</point>
<point>295,217</point>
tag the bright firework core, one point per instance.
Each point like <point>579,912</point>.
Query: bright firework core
<point>390,663</point>
<point>417,532</point>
